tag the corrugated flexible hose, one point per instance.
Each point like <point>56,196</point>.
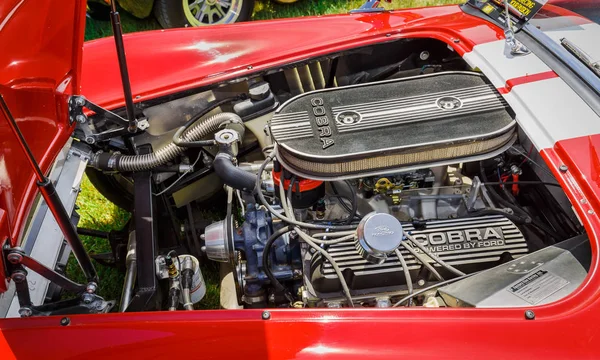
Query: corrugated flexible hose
<point>126,163</point>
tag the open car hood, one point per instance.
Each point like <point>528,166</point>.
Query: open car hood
<point>41,42</point>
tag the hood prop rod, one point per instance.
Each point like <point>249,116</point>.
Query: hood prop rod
<point>115,20</point>
<point>54,203</point>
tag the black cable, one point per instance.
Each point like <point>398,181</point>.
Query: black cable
<point>410,296</point>
<point>291,189</point>
<point>518,211</point>
<point>210,107</point>
<point>354,203</point>
<point>266,263</point>
<point>261,198</point>
<point>176,257</point>
<point>490,211</point>
<point>351,211</point>
<point>493,183</point>
<point>92,232</point>
<point>337,194</point>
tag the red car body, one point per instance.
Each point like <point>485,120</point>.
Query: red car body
<point>42,66</point>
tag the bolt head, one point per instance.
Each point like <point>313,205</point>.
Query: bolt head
<point>87,298</point>
<point>14,258</point>
<point>80,101</point>
<point>424,55</point>
<point>65,321</point>
<point>18,277</point>
<point>90,140</point>
<point>456,41</point>
<point>529,315</point>
<point>563,168</point>
<point>91,287</point>
<point>80,119</point>
<point>266,315</point>
<point>421,282</point>
<point>25,312</point>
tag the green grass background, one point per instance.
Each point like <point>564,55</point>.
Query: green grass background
<point>98,213</point>
<point>264,10</point>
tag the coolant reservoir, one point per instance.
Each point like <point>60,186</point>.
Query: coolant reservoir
<point>198,285</point>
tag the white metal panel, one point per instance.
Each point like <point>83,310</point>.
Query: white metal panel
<point>549,111</point>
<point>498,67</point>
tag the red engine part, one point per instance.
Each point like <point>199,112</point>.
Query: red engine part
<point>300,184</point>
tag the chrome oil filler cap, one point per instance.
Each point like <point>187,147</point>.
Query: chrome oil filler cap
<point>378,235</point>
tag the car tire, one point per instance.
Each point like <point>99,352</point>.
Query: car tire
<point>173,13</point>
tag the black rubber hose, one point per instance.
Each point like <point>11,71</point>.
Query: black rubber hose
<point>210,107</point>
<point>232,175</point>
<point>266,263</point>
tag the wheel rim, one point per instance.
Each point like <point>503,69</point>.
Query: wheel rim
<point>210,12</point>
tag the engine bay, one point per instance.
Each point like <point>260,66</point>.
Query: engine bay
<point>391,175</point>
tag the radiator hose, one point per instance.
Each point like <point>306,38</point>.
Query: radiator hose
<point>232,175</point>
<point>126,163</point>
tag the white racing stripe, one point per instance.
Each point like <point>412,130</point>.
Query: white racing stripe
<point>547,110</point>
<point>499,68</point>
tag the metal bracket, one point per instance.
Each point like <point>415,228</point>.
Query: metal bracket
<point>512,45</point>
<point>78,102</point>
<point>76,105</point>
<point>89,302</point>
<point>17,257</point>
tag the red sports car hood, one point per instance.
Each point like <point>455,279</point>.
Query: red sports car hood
<point>41,42</point>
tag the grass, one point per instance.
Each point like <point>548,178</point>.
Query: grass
<point>98,213</point>
<point>263,10</point>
